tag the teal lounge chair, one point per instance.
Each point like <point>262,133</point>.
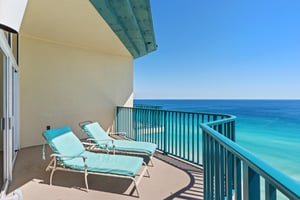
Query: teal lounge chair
<point>102,140</point>
<point>70,155</point>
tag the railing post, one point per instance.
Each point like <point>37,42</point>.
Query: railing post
<point>188,137</point>
<point>117,120</point>
<point>162,129</point>
<point>198,140</point>
<point>237,179</point>
<point>251,184</point>
<point>222,171</point>
<point>229,179</point>
<point>232,131</point>
<point>211,168</point>
<point>135,126</point>
<point>218,178</point>
<point>165,132</point>
<point>270,191</point>
<point>204,161</point>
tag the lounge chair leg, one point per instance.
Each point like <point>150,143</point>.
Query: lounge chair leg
<point>49,165</point>
<point>150,160</point>
<point>137,191</point>
<point>135,188</point>
<point>136,182</point>
<point>145,171</point>
<point>51,176</point>
<point>86,182</point>
<point>53,170</point>
<point>148,174</point>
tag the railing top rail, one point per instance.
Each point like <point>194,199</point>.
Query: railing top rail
<point>186,112</point>
<point>285,184</point>
<point>221,121</point>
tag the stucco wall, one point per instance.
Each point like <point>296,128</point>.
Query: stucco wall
<point>63,85</point>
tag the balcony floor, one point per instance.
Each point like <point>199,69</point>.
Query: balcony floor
<point>169,179</point>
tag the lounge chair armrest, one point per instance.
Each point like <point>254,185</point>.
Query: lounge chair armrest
<point>105,142</point>
<point>85,122</point>
<point>88,144</point>
<point>118,133</point>
<point>65,156</point>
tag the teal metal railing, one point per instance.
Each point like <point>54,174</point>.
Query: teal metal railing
<point>230,172</point>
<point>175,133</point>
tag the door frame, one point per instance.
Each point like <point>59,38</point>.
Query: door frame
<point>10,117</point>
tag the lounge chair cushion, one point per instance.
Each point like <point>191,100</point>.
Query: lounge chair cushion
<point>95,131</point>
<point>133,146</point>
<point>107,163</point>
<point>63,141</point>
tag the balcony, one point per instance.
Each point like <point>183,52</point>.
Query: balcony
<point>169,179</point>
<point>197,158</point>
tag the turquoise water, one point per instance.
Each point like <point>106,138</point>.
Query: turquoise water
<point>268,128</point>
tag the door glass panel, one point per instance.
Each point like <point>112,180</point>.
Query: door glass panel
<point>7,110</point>
<point>1,114</point>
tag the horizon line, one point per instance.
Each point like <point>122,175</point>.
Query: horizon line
<point>217,99</point>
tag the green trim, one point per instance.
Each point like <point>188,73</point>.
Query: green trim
<point>131,20</point>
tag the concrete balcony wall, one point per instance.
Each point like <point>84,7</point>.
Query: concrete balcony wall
<point>72,68</point>
<point>62,84</point>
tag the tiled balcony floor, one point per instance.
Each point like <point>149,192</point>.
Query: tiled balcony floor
<point>169,179</point>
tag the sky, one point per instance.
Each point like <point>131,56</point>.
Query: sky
<point>222,49</point>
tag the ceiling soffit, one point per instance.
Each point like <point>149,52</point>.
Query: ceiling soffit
<point>131,20</point>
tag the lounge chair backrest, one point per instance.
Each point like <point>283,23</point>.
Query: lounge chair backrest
<point>95,131</point>
<point>63,141</point>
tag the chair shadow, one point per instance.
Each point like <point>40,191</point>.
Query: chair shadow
<point>194,190</point>
<point>30,167</point>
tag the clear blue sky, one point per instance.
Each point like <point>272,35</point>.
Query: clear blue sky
<point>220,49</point>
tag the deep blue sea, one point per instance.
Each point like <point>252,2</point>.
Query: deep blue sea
<point>268,128</point>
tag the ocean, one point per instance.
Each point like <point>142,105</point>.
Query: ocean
<point>268,128</point>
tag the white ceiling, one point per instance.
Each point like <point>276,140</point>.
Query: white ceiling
<point>70,22</point>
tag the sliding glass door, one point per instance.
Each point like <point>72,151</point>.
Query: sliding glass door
<point>10,108</point>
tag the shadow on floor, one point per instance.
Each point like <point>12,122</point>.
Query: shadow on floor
<point>194,190</point>
<point>30,167</point>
